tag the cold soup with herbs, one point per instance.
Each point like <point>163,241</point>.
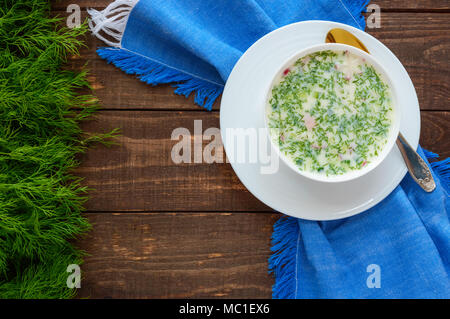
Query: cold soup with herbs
<point>330,112</point>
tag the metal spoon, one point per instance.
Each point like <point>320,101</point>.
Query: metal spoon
<point>416,165</point>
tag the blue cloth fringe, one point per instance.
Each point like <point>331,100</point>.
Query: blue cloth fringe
<point>155,73</point>
<point>285,235</point>
<point>283,261</point>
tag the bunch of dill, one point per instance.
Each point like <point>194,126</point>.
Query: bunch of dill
<point>40,200</point>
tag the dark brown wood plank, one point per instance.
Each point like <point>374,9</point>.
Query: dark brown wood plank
<point>139,175</point>
<point>422,44</point>
<point>420,41</point>
<point>184,255</point>
<point>435,132</point>
<point>419,5</point>
<point>384,4</point>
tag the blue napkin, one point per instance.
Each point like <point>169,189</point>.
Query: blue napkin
<point>398,249</point>
<point>194,44</point>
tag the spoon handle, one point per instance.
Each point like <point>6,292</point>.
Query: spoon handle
<point>416,165</point>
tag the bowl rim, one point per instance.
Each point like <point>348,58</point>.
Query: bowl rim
<point>394,130</point>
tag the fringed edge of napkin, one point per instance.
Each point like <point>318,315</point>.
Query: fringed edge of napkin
<point>283,262</point>
<point>109,25</point>
<point>154,73</point>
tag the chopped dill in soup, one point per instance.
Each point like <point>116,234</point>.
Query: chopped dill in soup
<point>330,113</point>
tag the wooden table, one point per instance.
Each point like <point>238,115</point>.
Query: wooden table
<point>162,230</point>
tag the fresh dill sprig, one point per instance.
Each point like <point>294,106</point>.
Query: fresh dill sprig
<point>40,110</point>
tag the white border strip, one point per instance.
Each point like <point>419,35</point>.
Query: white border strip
<point>111,21</point>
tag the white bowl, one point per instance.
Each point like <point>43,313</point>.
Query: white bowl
<point>393,132</point>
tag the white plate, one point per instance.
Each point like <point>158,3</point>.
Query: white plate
<point>286,191</point>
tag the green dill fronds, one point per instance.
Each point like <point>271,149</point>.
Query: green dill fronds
<point>40,200</point>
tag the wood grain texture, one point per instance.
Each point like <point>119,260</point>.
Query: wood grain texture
<point>384,4</point>
<point>419,6</point>
<point>420,41</point>
<point>184,255</point>
<point>139,175</point>
<point>436,132</point>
